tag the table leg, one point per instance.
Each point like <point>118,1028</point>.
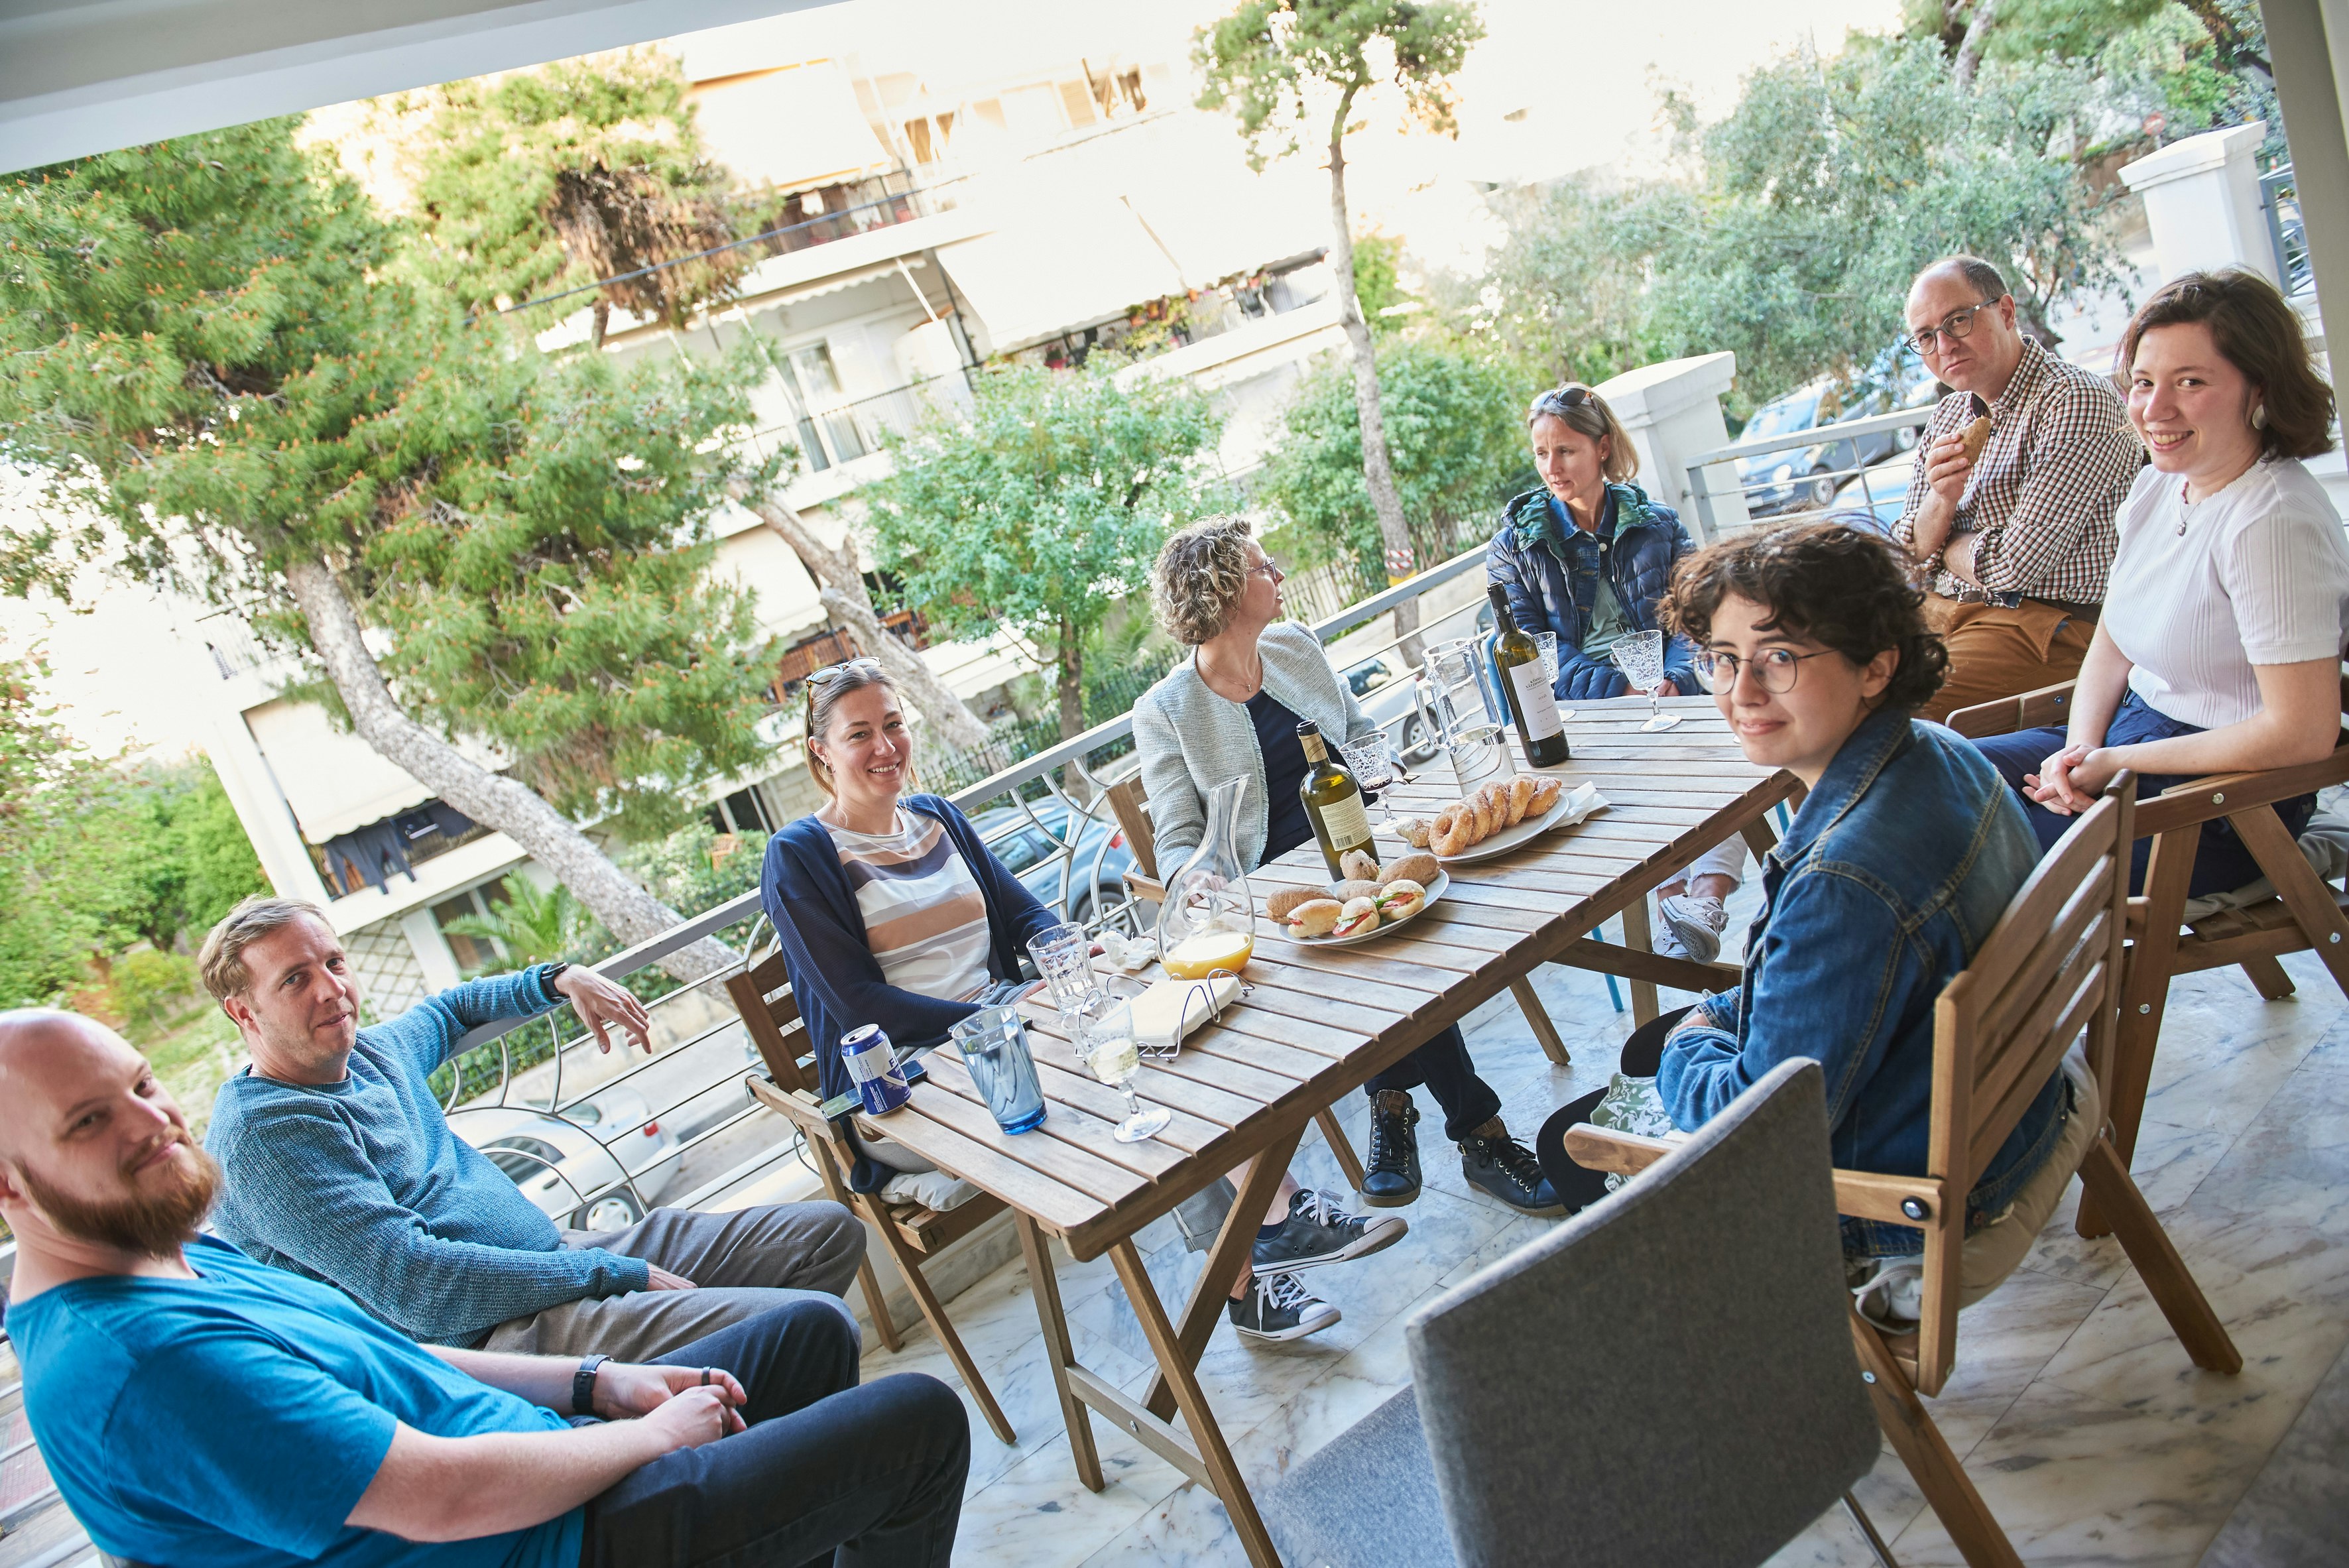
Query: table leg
<point>1058,1352</point>
<point>1225,1260</point>
<point>1174,1366</point>
<point>1636,936</point>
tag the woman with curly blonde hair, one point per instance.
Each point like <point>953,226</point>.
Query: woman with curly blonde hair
<point>1231,711</point>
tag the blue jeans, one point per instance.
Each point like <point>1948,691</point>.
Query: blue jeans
<point>828,1472</point>
<point>1443,1065</point>
<point>2222,860</point>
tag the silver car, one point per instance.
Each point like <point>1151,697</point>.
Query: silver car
<point>572,1165</point>
<point>1383,687</point>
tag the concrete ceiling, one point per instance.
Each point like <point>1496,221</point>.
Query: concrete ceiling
<point>78,76</point>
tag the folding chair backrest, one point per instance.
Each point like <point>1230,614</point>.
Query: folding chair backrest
<point>2050,968</point>
<point>762,995</point>
<point>1700,1312</point>
<point>1131,808</point>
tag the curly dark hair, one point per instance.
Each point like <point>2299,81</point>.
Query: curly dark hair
<point>1833,582</point>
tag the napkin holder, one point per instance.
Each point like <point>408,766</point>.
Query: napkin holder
<point>1169,1009</point>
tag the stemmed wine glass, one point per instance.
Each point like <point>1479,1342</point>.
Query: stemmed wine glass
<point>1372,760</point>
<point>1112,1055</point>
<point>1641,657</point>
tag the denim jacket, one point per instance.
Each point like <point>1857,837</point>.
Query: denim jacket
<point>1887,882</point>
<point>1551,568</point>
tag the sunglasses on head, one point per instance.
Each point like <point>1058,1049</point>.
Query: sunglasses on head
<point>833,672</point>
<point>1561,400</point>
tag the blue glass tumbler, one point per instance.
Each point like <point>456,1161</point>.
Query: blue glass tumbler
<point>994,1047</point>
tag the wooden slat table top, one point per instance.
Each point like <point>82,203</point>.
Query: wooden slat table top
<point>1319,1021</point>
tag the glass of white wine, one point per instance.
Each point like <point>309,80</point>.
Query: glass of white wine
<point>1114,1055</point>
<point>1641,657</point>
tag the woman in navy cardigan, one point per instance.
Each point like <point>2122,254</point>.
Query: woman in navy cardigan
<point>892,912</point>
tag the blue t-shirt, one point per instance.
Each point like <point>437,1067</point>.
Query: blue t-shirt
<point>235,1419</point>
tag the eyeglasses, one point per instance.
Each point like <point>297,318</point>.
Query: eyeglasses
<point>1561,400</point>
<point>1774,669</point>
<point>833,672</point>
<point>1267,569</point>
<point>1958,324</point>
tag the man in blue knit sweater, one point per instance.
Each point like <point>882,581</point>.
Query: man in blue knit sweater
<point>341,1167</point>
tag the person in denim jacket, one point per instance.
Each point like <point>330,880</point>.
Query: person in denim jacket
<point>1588,556</point>
<point>1905,853</point>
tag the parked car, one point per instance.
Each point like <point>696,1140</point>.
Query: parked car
<point>1880,492</point>
<point>1031,851</point>
<point>1796,477</point>
<point>571,1165</point>
<point>1383,687</point>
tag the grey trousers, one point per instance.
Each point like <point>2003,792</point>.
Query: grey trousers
<point>743,1262</point>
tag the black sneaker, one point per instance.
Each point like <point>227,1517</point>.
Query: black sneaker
<point>1318,1231</point>
<point>1278,1307</point>
<point>1392,1178</point>
<point>1508,1170</point>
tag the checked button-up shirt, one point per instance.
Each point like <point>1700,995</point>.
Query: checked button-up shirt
<point>2040,499</point>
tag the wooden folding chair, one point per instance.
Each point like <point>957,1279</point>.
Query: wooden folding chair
<point>2303,915</point>
<point>2050,969</point>
<point>911,1233</point>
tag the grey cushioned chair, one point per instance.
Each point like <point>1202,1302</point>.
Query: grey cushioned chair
<point>1667,1377</point>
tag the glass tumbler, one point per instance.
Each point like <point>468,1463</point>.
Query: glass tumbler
<point>1063,956</point>
<point>994,1047</point>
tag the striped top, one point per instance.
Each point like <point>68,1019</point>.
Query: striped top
<point>2255,574</point>
<point>925,918</point>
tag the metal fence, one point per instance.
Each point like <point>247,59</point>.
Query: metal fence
<point>1849,467</point>
<point>2279,200</point>
<point>1060,792</point>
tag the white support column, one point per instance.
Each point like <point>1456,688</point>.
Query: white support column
<point>2202,200</point>
<point>268,822</point>
<point>1672,412</point>
<point>432,948</point>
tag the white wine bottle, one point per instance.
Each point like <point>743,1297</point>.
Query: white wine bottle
<point>1333,802</point>
<point>1523,677</point>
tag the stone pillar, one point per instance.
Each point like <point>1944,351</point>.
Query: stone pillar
<point>2202,200</point>
<point>1673,411</point>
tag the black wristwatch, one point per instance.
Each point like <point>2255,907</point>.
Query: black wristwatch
<point>582,1385</point>
<point>549,973</point>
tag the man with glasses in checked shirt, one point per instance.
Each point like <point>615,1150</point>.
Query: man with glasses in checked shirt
<point>2017,540</point>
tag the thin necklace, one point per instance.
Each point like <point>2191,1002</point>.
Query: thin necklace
<point>1257,684</point>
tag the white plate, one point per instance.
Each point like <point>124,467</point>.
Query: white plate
<point>1434,890</point>
<point>1572,807</point>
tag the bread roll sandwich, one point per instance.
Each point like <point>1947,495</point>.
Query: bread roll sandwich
<point>1421,869</point>
<point>1358,915</point>
<point>1282,904</point>
<point>1316,916</point>
<point>1401,899</point>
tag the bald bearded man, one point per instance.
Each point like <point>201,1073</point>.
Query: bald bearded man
<point>197,1408</point>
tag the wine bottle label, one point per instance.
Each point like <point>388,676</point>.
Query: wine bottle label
<point>1348,823</point>
<point>1535,701</point>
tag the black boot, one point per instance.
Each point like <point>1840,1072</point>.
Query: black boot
<point>1508,1170</point>
<point>1391,1179</point>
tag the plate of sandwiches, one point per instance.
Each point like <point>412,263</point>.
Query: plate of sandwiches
<point>1374,900</point>
<point>1501,816</point>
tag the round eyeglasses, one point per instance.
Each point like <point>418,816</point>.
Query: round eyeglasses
<point>1958,324</point>
<point>1774,669</point>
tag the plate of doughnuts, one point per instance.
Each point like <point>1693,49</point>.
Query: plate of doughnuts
<point>1341,914</point>
<point>1501,816</point>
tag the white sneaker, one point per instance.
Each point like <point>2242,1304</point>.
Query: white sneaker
<point>1692,925</point>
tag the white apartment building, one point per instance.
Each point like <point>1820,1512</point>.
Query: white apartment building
<point>929,225</point>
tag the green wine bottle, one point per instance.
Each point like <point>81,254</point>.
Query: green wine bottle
<point>1333,802</point>
<point>1526,682</point>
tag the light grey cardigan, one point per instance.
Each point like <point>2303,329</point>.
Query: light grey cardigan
<point>1191,739</point>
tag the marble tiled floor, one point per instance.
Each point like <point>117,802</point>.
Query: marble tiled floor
<point>2090,1434</point>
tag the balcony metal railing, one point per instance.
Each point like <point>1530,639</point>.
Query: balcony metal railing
<point>1060,792</point>
<point>2279,200</point>
<point>1729,502</point>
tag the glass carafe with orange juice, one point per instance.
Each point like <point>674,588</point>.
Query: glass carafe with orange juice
<point>1207,921</point>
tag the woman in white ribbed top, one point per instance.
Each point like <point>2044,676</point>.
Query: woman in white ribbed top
<point>2228,605</point>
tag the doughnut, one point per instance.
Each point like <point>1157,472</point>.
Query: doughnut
<point>1521,795</point>
<point>1359,865</point>
<point>1316,916</point>
<point>1481,808</point>
<point>1453,831</point>
<point>1421,869</point>
<point>1545,794</point>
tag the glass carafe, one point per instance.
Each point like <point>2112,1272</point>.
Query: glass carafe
<point>1463,712</point>
<point>1207,923</point>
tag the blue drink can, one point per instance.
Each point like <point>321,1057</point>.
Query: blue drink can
<point>870,1061</point>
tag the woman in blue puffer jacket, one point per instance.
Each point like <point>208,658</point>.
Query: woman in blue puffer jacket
<point>1588,556</point>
